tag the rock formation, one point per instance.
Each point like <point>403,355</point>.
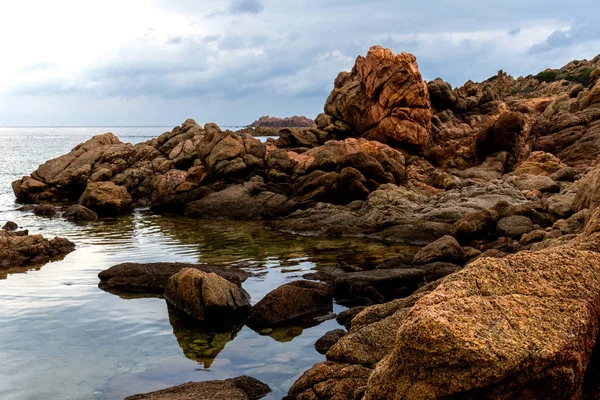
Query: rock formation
<point>241,388</point>
<point>207,297</point>
<point>18,248</point>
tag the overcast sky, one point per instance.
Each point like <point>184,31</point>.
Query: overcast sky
<point>158,62</point>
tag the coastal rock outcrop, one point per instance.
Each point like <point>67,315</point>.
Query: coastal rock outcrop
<point>18,248</point>
<point>207,296</point>
<point>522,327</point>
<point>383,98</point>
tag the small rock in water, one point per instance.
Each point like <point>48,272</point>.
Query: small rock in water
<point>45,210</point>
<point>328,340</point>
<point>10,226</point>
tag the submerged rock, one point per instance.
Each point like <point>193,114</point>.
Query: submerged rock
<point>292,302</point>
<point>152,278</point>
<point>241,388</point>
<point>207,296</point>
<point>45,210</point>
<point>80,213</point>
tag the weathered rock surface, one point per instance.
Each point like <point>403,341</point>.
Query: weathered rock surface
<point>207,296</point>
<point>383,98</point>
<point>292,302</point>
<point>522,327</point>
<point>20,248</point>
<point>152,278</point>
<point>106,198</point>
<point>444,249</point>
<point>391,280</point>
<point>241,388</point>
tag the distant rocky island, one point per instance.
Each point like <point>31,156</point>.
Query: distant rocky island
<point>498,182</point>
<point>288,122</point>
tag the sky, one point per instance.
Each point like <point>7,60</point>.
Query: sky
<point>159,62</point>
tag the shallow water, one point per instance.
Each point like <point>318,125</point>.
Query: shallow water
<point>61,337</point>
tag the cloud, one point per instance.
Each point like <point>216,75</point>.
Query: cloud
<point>245,6</point>
<point>264,57</point>
<point>576,35</point>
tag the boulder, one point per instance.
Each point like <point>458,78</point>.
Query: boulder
<point>20,248</point>
<point>293,302</point>
<point>475,225</point>
<point>106,198</point>
<point>207,296</point>
<point>514,226</point>
<point>250,200</point>
<point>345,317</point>
<point>329,339</point>
<point>45,210</point>
<point>78,212</point>
<point>444,249</point>
<point>241,388</point>
<point>383,98</point>
<point>10,226</point>
<point>522,327</point>
<point>152,278</point>
<point>588,191</point>
<point>380,285</point>
<point>541,183</point>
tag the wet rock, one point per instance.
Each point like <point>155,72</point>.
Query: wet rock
<point>381,285</point>
<point>20,248</point>
<point>45,210</point>
<point>514,226</point>
<point>444,249</point>
<point>106,198</point>
<point>542,309</point>
<point>80,213</point>
<point>241,388</point>
<point>207,296</point>
<point>10,226</point>
<point>345,317</point>
<point>152,278</point>
<point>292,302</point>
<point>329,339</point>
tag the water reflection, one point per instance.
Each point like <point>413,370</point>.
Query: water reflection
<point>198,342</point>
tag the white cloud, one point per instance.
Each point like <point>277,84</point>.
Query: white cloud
<point>118,58</point>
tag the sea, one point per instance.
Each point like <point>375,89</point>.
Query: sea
<point>64,337</point>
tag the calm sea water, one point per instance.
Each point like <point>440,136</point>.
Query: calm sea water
<point>62,337</point>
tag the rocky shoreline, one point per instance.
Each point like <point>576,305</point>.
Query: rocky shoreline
<point>498,182</point>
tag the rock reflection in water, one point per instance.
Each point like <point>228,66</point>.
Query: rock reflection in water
<point>199,343</point>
